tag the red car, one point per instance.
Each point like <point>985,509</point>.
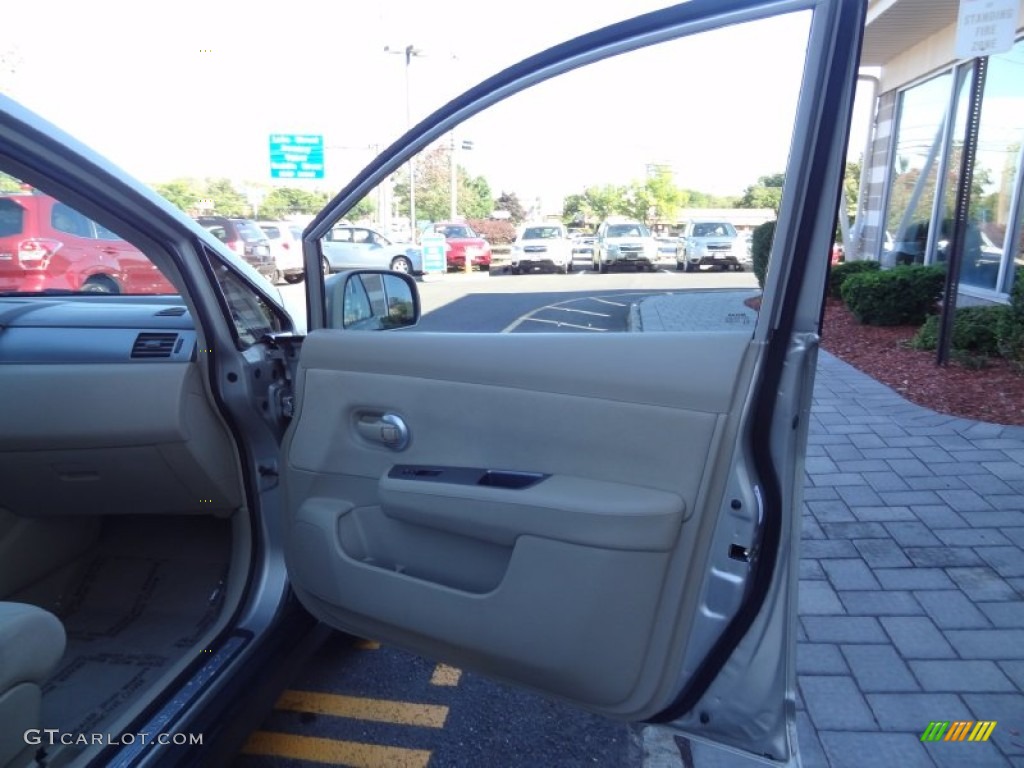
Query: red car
<point>462,241</point>
<point>45,244</point>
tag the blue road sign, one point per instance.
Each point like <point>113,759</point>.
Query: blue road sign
<point>296,156</point>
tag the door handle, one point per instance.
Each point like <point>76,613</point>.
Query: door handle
<point>386,428</point>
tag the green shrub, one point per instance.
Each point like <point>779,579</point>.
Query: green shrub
<point>974,332</point>
<point>1010,329</point>
<point>761,249</point>
<point>899,296</point>
<point>839,272</point>
<point>969,361</point>
<point>927,336</point>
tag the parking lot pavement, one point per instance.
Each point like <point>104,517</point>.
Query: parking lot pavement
<point>911,569</point>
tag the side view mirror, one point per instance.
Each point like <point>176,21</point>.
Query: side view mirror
<point>371,300</point>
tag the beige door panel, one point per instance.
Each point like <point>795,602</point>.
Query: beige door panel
<point>457,564</point>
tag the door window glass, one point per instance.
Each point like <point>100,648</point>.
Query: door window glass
<point>639,161</point>
<point>63,218</point>
<point>46,245</point>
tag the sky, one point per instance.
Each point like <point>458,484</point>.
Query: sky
<point>195,88</point>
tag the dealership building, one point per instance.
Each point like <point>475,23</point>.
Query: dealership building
<point>911,178</point>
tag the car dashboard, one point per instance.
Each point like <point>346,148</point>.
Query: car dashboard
<point>106,410</point>
<point>90,330</point>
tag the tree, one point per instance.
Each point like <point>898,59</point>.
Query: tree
<point>184,193</point>
<point>9,183</point>
<point>663,195</point>
<point>285,201</point>
<point>851,185</point>
<point>766,193</point>
<point>604,201</point>
<point>227,201</point>
<point>364,209</point>
<point>575,211</point>
<point>474,196</point>
<point>637,202</point>
<point>509,201</point>
<point>433,189</point>
<point>851,188</point>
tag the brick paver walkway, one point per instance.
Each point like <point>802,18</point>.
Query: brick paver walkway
<point>911,570</point>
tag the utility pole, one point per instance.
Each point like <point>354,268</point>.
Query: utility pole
<point>453,181</point>
<point>409,51</point>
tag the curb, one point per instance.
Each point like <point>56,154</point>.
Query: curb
<point>634,320</point>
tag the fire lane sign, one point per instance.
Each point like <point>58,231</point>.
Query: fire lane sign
<point>296,156</point>
<point>985,27</point>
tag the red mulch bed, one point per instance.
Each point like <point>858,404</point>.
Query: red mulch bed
<point>994,393</point>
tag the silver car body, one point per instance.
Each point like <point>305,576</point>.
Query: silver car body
<point>355,247</point>
<point>624,242</point>
<point>711,243</point>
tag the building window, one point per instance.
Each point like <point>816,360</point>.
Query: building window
<point>915,167</point>
<point>925,174</point>
<point>997,160</point>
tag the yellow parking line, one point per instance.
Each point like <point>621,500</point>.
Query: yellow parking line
<point>334,751</point>
<point>379,710</point>
<point>445,675</point>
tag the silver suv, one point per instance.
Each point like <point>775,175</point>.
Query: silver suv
<point>711,244</point>
<point>623,241</point>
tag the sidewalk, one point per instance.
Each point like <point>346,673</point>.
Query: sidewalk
<point>911,570</point>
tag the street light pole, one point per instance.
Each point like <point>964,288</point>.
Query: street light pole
<point>409,51</point>
<point>453,182</point>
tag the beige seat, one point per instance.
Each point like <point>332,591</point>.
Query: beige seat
<point>31,645</point>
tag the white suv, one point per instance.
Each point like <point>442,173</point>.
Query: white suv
<point>712,243</point>
<point>542,245</point>
<point>624,241</point>
<point>286,248</point>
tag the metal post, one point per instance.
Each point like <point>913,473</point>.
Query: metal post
<point>960,218</point>
<point>453,181</point>
<point>409,52</point>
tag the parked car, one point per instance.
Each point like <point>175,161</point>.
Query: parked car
<point>542,246</point>
<point>194,491</point>
<point>286,248</point>
<point>624,242</point>
<point>350,247</point>
<point>245,238</point>
<point>463,243</point>
<point>668,247</point>
<point>584,244</point>
<point>714,244</point>
<point>47,245</point>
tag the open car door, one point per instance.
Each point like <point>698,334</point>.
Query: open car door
<point>608,518</point>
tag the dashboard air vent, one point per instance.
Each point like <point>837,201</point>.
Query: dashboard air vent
<point>150,345</point>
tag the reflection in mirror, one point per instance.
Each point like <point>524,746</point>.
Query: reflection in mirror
<point>372,301</point>
<point>667,140</point>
